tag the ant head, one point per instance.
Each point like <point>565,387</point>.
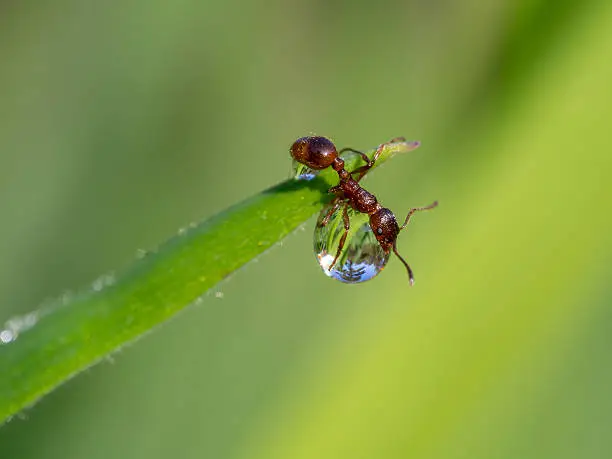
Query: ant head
<point>315,152</point>
<point>385,228</point>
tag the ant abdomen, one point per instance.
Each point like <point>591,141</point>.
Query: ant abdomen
<point>315,152</point>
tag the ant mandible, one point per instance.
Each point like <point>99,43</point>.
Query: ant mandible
<point>319,153</point>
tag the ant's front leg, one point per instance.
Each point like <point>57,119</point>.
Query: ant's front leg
<point>347,227</point>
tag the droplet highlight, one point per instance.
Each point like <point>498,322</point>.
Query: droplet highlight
<point>302,172</point>
<point>13,327</point>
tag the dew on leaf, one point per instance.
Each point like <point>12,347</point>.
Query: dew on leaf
<point>362,257</point>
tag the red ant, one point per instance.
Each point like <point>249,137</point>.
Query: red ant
<point>319,153</point>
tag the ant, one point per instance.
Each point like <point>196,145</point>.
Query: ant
<point>319,153</point>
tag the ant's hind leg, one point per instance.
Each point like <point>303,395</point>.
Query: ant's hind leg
<point>382,146</point>
<point>363,170</point>
<point>411,212</point>
<point>360,153</point>
<point>347,227</point>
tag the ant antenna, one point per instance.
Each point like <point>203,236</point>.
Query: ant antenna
<point>415,210</point>
<point>410,274</point>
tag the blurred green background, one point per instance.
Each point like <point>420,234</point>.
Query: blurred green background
<point>122,121</point>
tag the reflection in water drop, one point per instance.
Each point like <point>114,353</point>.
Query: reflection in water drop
<point>362,257</point>
<point>301,172</point>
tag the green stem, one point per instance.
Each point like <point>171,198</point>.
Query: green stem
<point>43,349</point>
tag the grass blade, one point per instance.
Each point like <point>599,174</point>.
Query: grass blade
<point>46,347</point>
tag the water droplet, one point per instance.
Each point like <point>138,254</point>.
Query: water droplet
<point>362,257</point>
<point>219,294</point>
<point>13,327</point>
<point>199,300</point>
<point>301,172</point>
<point>98,284</point>
<point>103,281</point>
<point>6,336</point>
<point>182,231</point>
<point>66,297</point>
<point>29,320</point>
<point>143,253</point>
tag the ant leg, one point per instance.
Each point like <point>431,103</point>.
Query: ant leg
<point>347,227</point>
<point>363,170</point>
<point>411,212</point>
<point>335,204</point>
<point>410,274</point>
<point>336,189</point>
<point>382,146</point>
<point>360,153</point>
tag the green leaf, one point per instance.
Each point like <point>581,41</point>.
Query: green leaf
<point>46,347</point>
